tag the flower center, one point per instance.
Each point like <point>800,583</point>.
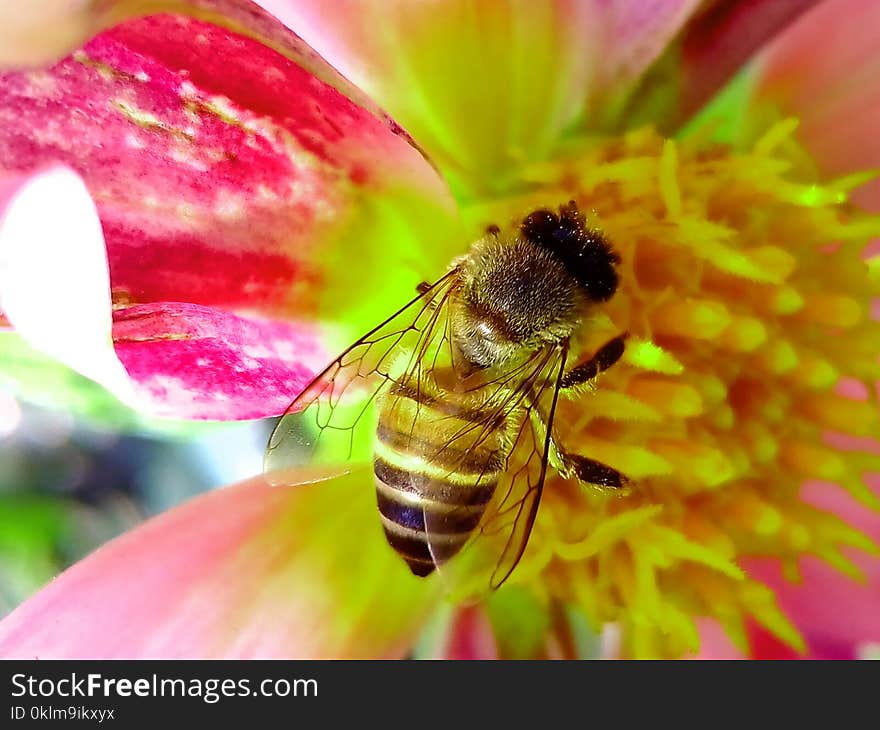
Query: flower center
<point>751,353</point>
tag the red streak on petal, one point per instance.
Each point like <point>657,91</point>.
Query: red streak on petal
<point>258,80</point>
<point>191,361</point>
<point>178,264</point>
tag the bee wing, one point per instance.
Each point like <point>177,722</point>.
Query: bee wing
<point>330,424</point>
<point>500,539</point>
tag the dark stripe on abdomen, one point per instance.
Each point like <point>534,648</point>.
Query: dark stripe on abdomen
<point>414,544</point>
<point>438,490</point>
<point>413,515</point>
<point>415,551</point>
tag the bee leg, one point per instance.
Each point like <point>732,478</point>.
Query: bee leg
<point>586,470</point>
<point>594,473</point>
<point>602,359</point>
<point>575,466</point>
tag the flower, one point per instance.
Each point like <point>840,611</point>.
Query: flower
<point>743,288</point>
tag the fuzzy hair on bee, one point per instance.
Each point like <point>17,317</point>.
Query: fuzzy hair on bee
<point>512,296</point>
<point>530,287</point>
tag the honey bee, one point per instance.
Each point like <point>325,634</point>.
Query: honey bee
<point>461,385</point>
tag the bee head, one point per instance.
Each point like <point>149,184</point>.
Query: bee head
<point>585,254</point>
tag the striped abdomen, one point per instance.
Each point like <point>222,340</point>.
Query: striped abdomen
<point>438,459</point>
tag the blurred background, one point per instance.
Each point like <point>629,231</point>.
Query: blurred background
<point>70,483</point>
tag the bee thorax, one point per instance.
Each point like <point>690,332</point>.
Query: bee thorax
<point>513,297</point>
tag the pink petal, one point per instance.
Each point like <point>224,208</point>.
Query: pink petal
<point>836,615</point>
<point>826,71</point>
<point>198,362</point>
<point>483,85</point>
<point>715,643</point>
<point>719,42</point>
<point>245,571</point>
<point>227,172</point>
<point>470,635</point>
<point>638,33</point>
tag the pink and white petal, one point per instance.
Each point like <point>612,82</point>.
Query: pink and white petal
<point>168,359</point>
<point>190,361</point>
<point>722,39</point>
<point>246,571</point>
<point>826,70</point>
<point>226,173</point>
<point>54,283</point>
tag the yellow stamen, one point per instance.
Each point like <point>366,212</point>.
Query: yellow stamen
<point>746,300</point>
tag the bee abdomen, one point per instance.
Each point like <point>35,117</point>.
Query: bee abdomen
<point>408,497</point>
<point>437,463</point>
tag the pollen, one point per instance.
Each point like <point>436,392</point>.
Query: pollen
<point>746,294</point>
